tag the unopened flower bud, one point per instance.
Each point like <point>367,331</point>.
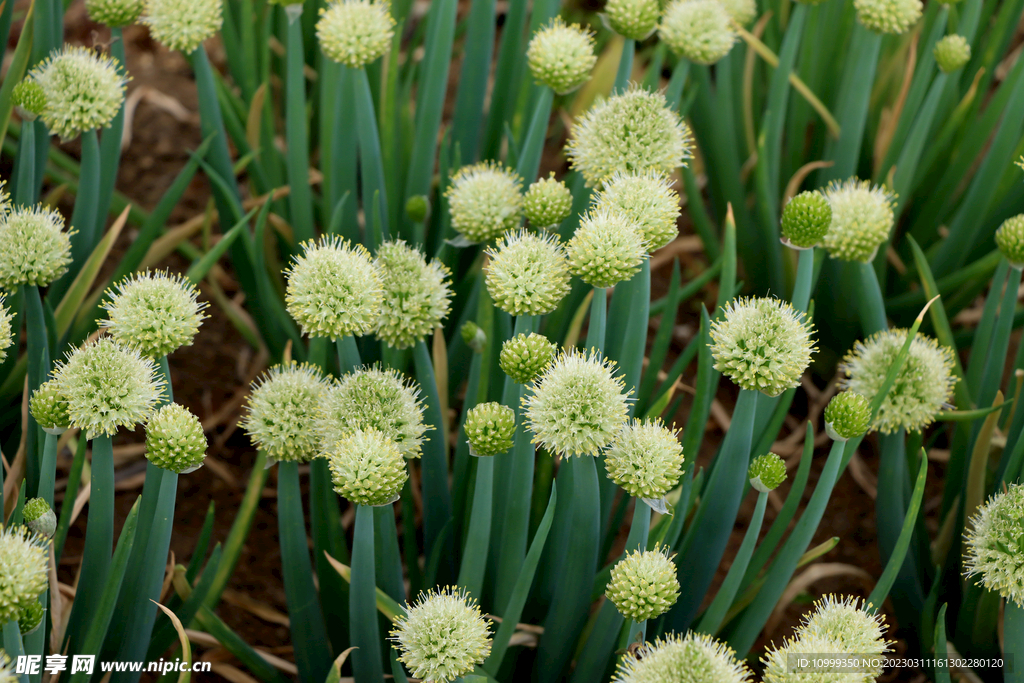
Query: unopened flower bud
<point>561,55</point>
<point>526,356</point>
<point>1010,240</point>
<point>417,208</point>
<point>527,274</point>
<point>633,19</point>
<point>175,440</point>
<point>39,517</point>
<point>474,337</point>
<point>485,201</point>
<point>643,585</point>
<point>49,408</point>
<point>606,249</point>
<point>952,52</point>
<point>367,468</point>
<point>29,98</point>
<point>847,416</point>
<point>547,203</point>
<point>489,429</point>
<point>888,16</point>
<point>766,472</point>
<point>805,220</point>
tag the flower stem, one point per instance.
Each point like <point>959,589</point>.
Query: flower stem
<point>362,605</point>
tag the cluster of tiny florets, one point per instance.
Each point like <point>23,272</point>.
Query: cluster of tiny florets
<point>155,312</point>
<point>30,99</point>
<point>489,429</point>
<point>547,203</point>
<point>693,658</point>
<point>952,52</point>
<point>281,412</point>
<point>645,459</point>
<point>83,90</point>
<point>606,249</point>
<point>49,408</point>
<point>525,356</point>
<point>643,585</point>
<point>416,294</point>
<point>367,468</point>
<point>561,55</point>
<point>862,217</point>
<point>39,517</point>
<point>355,32</point>
<point>888,16</point>
<point>28,621</point>
<point>1010,240</point>
<point>175,440</point>
<point>805,219</point>
<point>6,333</point>
<point>7,674</point>
<point>648,200</point>
<point>762,344</point>
<point>114,13</point>
<point>527,273</point>
<point>923,385</point>
<point>742,11</point>
<point>36,250</point>
<point>485,200</point>
<point>699,30</point>
<point>634,19</point>
<point>183,24</point>
<point>23,570</point>
<point>766,472</point>
<point>847,416</point>
<point>995,543</point>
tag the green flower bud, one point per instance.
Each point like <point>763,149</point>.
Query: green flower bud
<point>699,30</point>
<point>995,542</point>
<point>356,32</point>
<point>442,636</point>
<point>888,16</point>
<point>6,334</point>
<point>155,312</point>
<point>30,618</point>
<point>114,13</point>
<point>36,250</point>
<point>24,557</point>
<point>693,658</point>
<point>634,19</point>
<point>547,203</point>
<point>282,410</point>
<point>1010,240</point>
<point>862,218</point>
<point>847,416</point>
<point>561,56</point>
<point>645,459</point>
<point>49,408</point>
<point>473,336</point>
<point>417,296</point>
<point>952,53</point>
<point>527,274</point>
<point>175,440</point>
<point>417,208</point>
<point>766,472</point>
<point>183,25</point>
<point>525,356</point>
<point>367,468</point>
<point>606,249</point>
<point>82,90</point>
<point>805,220</point>
<point>646,199</point>
<point>485,201</point>
<point>489,429</point>
<point>643,585</point>
<point>30,99</point>
<point>39,517</point>
<point>762,344</point>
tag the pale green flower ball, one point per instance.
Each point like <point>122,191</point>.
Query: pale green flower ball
<point>634,19</point>
<point>417,295</point>
<point>607,248</point>
<point>485,201</point>
<point>29,620</point>
<point>547,203</point>
<point>888,16</point>
<point>474,337</point>
<point>281,412</point>
<point>561,55</point>
<point>36,249</point>
<point>766,472</point>
<point>952,52</point>
<point>693,658</point>
<point>114,13</point>
<point>578,406</point>
<point>762,344</point>
<point>6,334</point>
<point>7,674</point>
<point>175,440</point>
<point>862,218</point>
<point>923,386</point>
<point>367,468</point>
<point>805,219</point>
<point>777,667</point>
<point>39,517</point>
<point>83,90</point>
<point>334,289</point>
<point>525,356</point>
<point>631,132</point>
<point>1010,240</point>
<point>29,98</point>
<point>850,624</point>
<point>699,30</point>
<point>643,585</point>
<point>183,25</point>
<point>645,459</point>
<point>372,398</point>
<point>847,416</point>
<point>155,312</point>
<point>443,635</point>
<point>355,32</point>
<point>49,408</point>
<point>24,563</point>
<point>108,385</point>
<point>742,11</point>
<point>648,200</point>
<point>994,541</point>
<point>489,429</point>
<point>527,274</point>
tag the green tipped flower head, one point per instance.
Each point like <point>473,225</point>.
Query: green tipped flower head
<point>485,200</point>
<point>578,406</point>
<point>443,635</point>
<point>6,334</point>
<point>645,459</point>
<point>847,416</point>
<point>952,52</point>
<point>547,203</point>
<point>29,98</point>
<point>561,55</point>
<point>108,385</point>
<point>489,429</point>
<point>334,290</point>
<point>762,344</point>
<point>862,218</point>
<point>805,220</point>
<point>155,312</point>
<point>417,296</point>
<point>693,658</point>
<point>49,408</point>
<point>7,674</point>
<point>82,90</point>
<point>474,337</point>
<point>995,543</point>
<point>24,563</point>
<point>367,468</point>
<point>766,472</point>
<point>381,400</point>
<point>607,248</point>
<point>643,585</point>
<point>888,16</point>
<point>631,132</point>
<point>923,386</point>
<point>355,32</point>
<point>175,440</point>
<point>183,25</point>
<point>646,199</point>
<point>634,19</point>
<point>36,250</point>
<point>742,11</point>
<point>525,356</point>
<point>28,621</point>
<point>114,13</point>
<point>281,412</point>
<point>527,274</point>
<point>1010,240</point>
<point>39,517</point>
<point>699,30</point>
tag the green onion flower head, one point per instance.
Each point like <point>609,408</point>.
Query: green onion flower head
<point>334,289</point>
<point>648,200</point>
<point>281,412</point>
<point>474,337</point>
<point>762,344</point>
<point>29,98</point>
<point>607,248</point>
<point>489,429</point>
<point>888,16</point>
<point>646,459</point>
<point>806,219</point>
<point>155,312</point>
<point>28,621</point>
<point>372,398</point>
<point>561,55</point>
<point>39,517</point>
<point>49,408</point>
<point>547,203</point>
<point>850,624</point>
<point>485,200</point>
<point>952,52</point>
<point>367,468</point>
<point>108,385</point>
<point>525,356</point>
<point>175,440</point>
<point>578,406</point>
<point>526,273</point>
<point>766,472</point>
<point>1010,240</point>
<point>923,386</point>
<point>699,30</point>
<point>634,19</point>
<point>114,13</point>
<point>417,296</point>
<point>995,542</point>
<point>183,25</point>
<point>36,249</point>
<point>355,32</point>
<point>24,563</point>
<point>693,658</point>
<point>777,667</point>
<point>7,674</point>
<point>742,11</point>
<point>631,132</point>
<point>82,90</point>
<point>443,635</point>
<point>643,585</point>
<point>862,218</point>
<point>6,334</point>
<point>847,416</point>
